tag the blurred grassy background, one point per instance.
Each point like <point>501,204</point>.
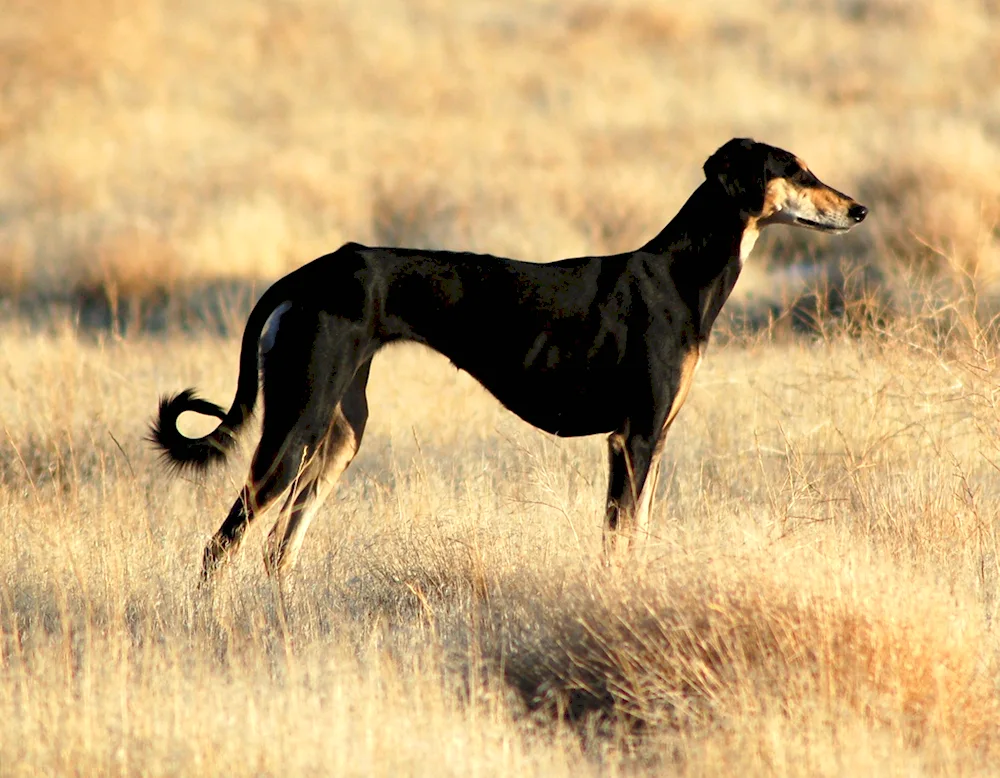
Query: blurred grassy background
<point>145,144</point>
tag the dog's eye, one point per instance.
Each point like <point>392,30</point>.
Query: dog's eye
<point>803,177</point>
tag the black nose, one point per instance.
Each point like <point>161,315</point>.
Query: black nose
<point>857,212</point>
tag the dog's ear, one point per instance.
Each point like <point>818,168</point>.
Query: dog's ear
<point>741,171</point>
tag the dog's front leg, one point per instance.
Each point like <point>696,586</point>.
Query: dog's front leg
<point>631,479</point>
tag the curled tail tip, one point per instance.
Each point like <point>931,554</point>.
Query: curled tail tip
<point>172,406</point>
<point>176,449</point>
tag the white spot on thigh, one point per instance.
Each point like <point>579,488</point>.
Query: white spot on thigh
<point>270,331</point>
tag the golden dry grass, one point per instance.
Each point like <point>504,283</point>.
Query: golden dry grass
<point>818,598</point>
<point>820,594</point>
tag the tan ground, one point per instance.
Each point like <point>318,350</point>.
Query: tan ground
<point>820,594</point>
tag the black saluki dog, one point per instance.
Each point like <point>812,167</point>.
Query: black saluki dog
<point>575,347</point>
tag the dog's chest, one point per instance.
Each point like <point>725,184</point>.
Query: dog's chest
<point>747,242</point>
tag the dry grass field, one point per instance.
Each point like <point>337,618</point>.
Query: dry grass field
<point>820,593</point>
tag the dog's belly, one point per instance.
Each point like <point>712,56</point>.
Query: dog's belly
<point>567,405</point>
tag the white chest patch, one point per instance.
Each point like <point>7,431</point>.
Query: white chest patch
<point>747,243</point>
<point>270,331</point>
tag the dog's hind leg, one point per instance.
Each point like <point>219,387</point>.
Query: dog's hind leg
<point>307,367</point>
<point>229,536</point>
<point>332,458</point>
<point>276,466</point>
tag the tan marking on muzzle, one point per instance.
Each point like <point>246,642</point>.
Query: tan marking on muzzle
<point>786,202</point>
<point>829,200</point>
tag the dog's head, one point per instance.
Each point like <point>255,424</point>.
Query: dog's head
<point>773,186</point>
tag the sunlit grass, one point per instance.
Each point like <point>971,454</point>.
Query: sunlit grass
<point>820,585</point>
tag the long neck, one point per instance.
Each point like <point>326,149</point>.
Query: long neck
<point>701,248</point>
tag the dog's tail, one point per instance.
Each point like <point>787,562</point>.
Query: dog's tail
<point>183,452</point>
